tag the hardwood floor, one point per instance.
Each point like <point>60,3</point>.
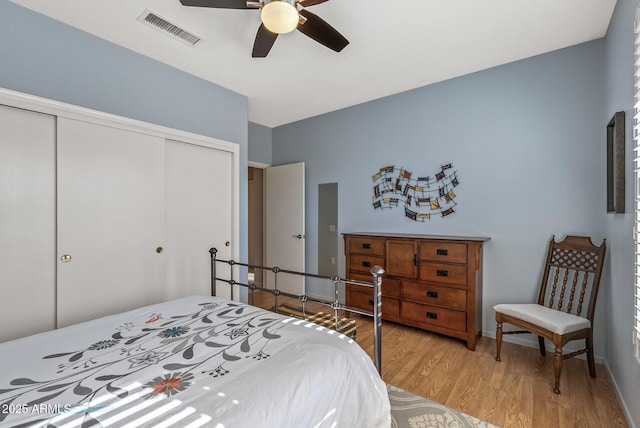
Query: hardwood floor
<point>516,392</point>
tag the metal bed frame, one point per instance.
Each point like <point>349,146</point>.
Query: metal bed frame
<point>376,284</point>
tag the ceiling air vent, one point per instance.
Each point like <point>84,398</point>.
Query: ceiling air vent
<point>154,20</point>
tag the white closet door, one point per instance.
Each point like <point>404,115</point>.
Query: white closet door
<point>27,222</point>
<point>111,218</point>
<point>199,216</point>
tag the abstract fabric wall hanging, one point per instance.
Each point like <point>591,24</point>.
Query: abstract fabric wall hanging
<point>421,197</point>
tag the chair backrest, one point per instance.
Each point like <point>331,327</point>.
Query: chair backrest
<point>572,272</point>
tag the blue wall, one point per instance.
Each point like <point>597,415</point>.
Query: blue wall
<point>44,57</point>
<point>619,68</point>
<point>260,143</point>
<point>526,141</point>
<point>526,138</point>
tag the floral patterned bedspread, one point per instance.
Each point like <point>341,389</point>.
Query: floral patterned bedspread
<point>195,361</point>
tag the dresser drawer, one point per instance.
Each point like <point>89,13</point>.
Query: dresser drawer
<point>390,286</point>
<point>365,245</point>
<point>422,292</point>
<point>364,301</point>
<point>449,252</point>
<point>444,273</point>
<point>364,263</point>
<point>434,315</point>
<point>359,299</point>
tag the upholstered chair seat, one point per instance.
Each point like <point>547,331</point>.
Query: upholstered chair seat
<point>550,319</point>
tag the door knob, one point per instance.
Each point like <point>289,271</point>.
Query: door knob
<point>66,258</point>
<point>159,250</point>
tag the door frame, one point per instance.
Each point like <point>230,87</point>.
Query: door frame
<point>262,166</point>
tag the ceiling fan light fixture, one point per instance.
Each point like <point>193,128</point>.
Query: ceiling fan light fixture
<point>280,16</point>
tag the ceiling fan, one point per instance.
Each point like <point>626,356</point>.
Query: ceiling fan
<point>280,17</point>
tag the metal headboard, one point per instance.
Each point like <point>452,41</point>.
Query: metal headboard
<point>376,284</point>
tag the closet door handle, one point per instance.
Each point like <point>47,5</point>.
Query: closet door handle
<point>65,258</point>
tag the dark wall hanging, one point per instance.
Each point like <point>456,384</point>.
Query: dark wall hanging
<point>615,164</point>
<point>421,197</point>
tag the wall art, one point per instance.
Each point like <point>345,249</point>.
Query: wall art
<point>421,197</point>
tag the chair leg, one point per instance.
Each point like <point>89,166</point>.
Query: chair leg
<point>543,351</point>
<point>557,368</point>
<point>498,339</point>
<point>590,360</point>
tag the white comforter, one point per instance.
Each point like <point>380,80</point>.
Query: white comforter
<point>196,361</point>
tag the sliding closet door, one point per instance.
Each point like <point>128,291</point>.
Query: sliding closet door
<point>27,222</point>
<point>111,219</point>
<point>199,215</point>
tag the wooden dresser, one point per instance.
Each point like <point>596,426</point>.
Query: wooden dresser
<point>431,282</point>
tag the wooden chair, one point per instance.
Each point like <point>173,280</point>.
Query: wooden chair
<point>572,272</point>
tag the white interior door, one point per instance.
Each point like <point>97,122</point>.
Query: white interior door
<point>199,216</point>
<point>27,222</point>
<point>284,225</point>
<point>111,219</point>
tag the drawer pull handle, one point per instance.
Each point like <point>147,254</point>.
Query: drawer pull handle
<point>432,315</point>
<point>442,272</point>
<point>371,302</point>
<point>442,252</point>
<point>366,264</point>
<point>366,246</point>
<point>433,294</point>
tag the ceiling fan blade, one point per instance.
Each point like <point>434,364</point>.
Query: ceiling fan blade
<point>221,4</point>
<point>263,43</point>
<point>320,31</point>
<point>307,3</point>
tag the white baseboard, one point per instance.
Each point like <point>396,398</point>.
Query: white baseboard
<point>623,404</point>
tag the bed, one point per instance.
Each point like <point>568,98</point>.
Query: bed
<point>195,361</point>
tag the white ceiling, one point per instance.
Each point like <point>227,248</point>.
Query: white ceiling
<point>395,45</point>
